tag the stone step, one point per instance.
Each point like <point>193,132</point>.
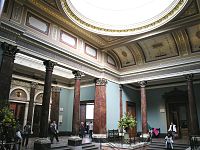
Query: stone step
<point>174,144</point>
<point>163,147</point>
<point>89,146</point>
<point>59,147</point>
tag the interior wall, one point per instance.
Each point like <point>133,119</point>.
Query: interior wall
<point>66,102</point>
<point>132,95</point>
<point>112,105</point>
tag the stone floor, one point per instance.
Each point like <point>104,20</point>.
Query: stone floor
<point>105,146</point>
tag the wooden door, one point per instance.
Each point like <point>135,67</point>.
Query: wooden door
<point>131,109</point>
<point>18,111</point>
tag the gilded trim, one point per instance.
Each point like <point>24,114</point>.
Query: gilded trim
<point>123,32</point>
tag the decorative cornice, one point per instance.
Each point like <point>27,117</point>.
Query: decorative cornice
<point>58,16</point>
<point>100,81</point>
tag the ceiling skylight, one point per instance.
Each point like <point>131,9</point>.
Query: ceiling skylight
<point>127,17</point>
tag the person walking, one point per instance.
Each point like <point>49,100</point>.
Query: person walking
<point>82,130</point>
<point>172,129</point>
<point>53,131</point>
<point>90,129</point>
<point>26,134</point>
<point>169,141</point>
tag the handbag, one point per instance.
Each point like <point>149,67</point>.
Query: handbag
<point>18,135</point>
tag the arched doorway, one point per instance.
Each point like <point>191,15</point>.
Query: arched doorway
<point>17,103</point>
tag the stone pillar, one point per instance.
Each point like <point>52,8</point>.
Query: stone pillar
<point>46,98</point>
<point>55,104</point>
<point>31,102</point>
<point>76,106</point>
<point>121,103</point>
<point>193,118</point>
<point>6,70</point>
<point>143,106</point>
<point>100,107</point>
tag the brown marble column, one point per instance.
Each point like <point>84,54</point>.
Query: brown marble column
<point>6,70</point>
<point>121,103</point>
<point>46,98</point>
<point>100,107</point>
<point>143,106</point>
<point>55,104</point>
<point>193,118</point>
<point>76,106</point>
<point>31,102</point>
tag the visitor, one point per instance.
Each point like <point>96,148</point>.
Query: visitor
<point>82,130</point>
<point>26,134</point>
<point>169,141</point>
<point>172,129</point>
<point>53,132</point>
<point>90,129</point>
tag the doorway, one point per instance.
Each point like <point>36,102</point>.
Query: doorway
<point>18,111</point>
<point>131,109</point>
<point>177,113</point>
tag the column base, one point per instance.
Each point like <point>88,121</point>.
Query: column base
<point>42,144</point>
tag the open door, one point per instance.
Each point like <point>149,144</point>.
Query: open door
<point>131,109</point>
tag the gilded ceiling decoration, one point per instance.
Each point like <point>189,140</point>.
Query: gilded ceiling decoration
<point>194,37</point>
<point>159,47</point>
<point>125,56</point>
<point>73,9</point>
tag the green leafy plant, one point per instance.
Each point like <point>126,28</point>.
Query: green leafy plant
<point>127,121</point>
<point>7,117</point>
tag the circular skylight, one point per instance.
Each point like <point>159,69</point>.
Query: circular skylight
<point>119,18</point>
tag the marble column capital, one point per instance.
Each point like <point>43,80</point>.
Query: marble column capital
<point>120,87</point>
<point>9,50</point>
<point>100,81</point>
<point>189,77</point>
<point>142,83</point>
<point>77,74</point>
<point>49,65</point>
<point>56,89</point>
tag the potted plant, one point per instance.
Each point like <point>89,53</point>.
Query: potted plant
<point>127,122</point>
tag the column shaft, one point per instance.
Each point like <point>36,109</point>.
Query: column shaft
<point>121,104</point>
<point>143,107</point>
<point>46,99</point>
<point>193,118</point>
<point>55,104</point>
<point>6,70</point>
<point>100,107</point>
<point>76,106</point>
<point>31,102</point>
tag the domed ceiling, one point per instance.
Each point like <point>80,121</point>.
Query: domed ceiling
<point>121,18</point>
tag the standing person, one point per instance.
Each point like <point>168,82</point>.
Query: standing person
<point>90,129</point>
<point>169,141</point>
<point>82,130</point>
<point>26,134</point>
<point>53,131</point>
<point>172,129</point>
